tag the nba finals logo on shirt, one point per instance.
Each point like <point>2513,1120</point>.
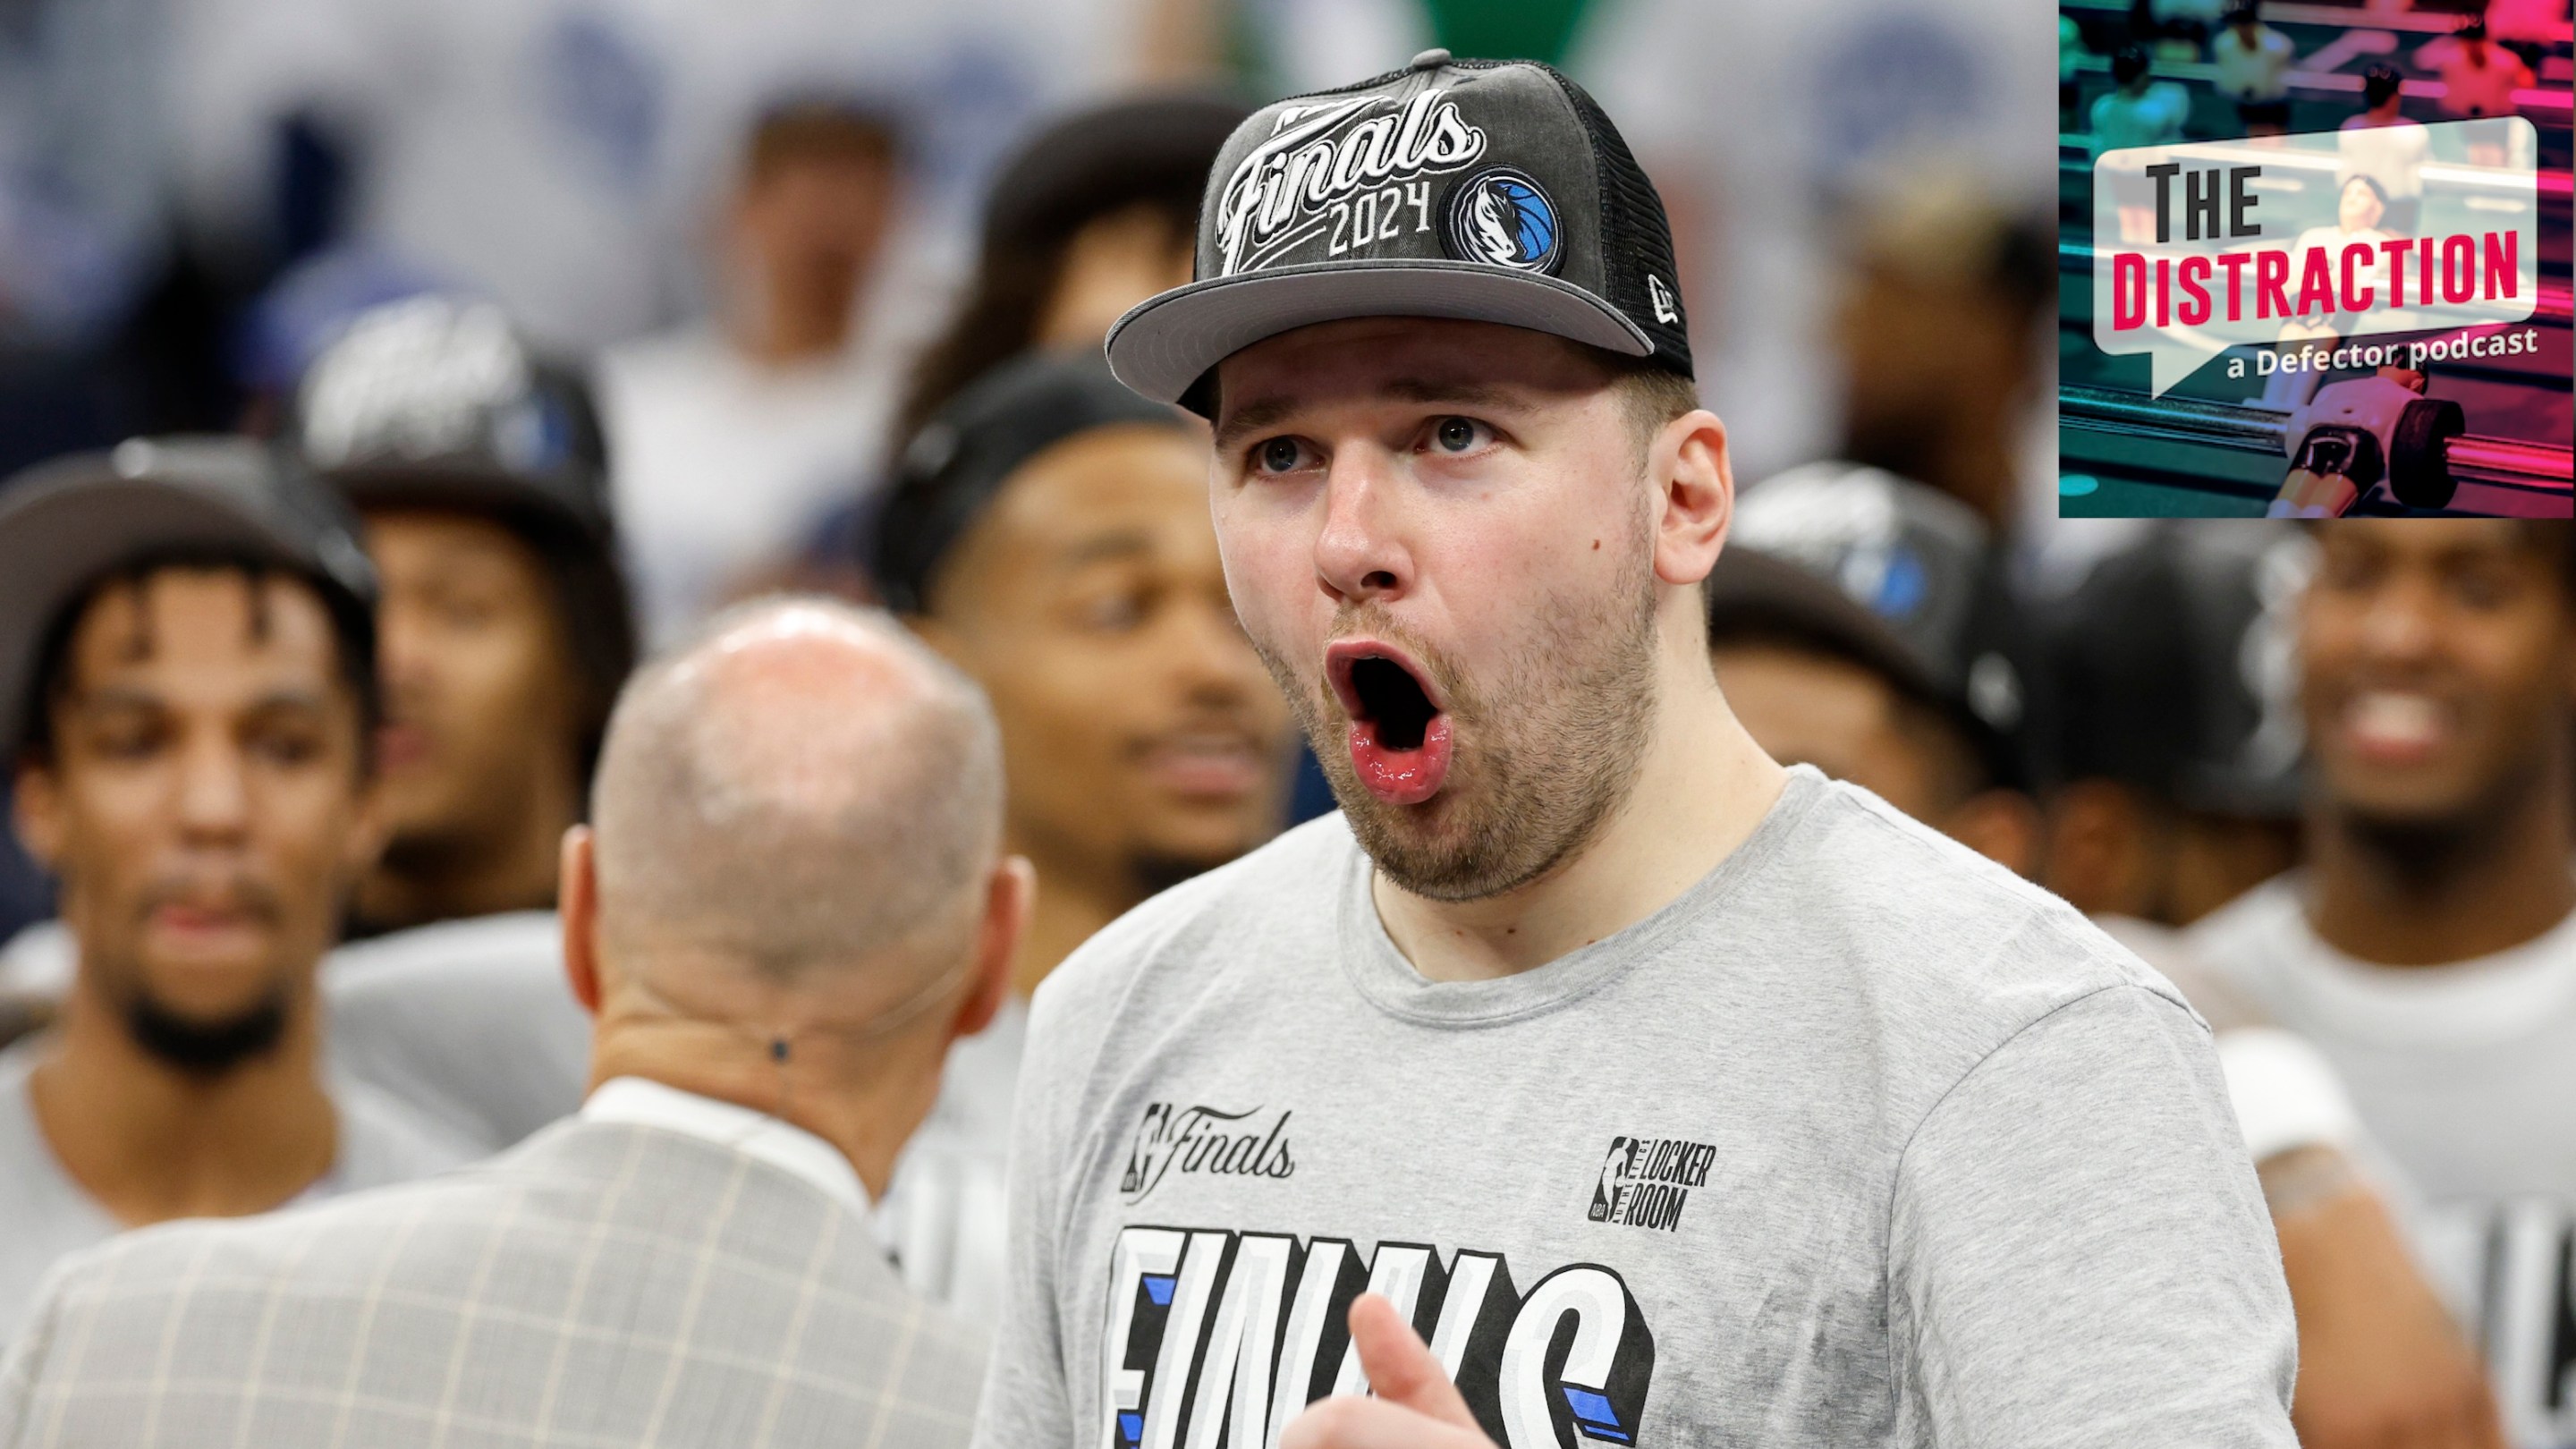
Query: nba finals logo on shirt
<point>1204,1139</point>
<point>1216,1338</point>
<point>1647,1181</point>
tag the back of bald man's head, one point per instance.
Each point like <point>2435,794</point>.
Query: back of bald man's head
<point>801,788</point>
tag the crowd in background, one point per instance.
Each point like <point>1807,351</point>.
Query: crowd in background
<point>590,322</point>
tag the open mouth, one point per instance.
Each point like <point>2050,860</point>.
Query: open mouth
<point>1399,739</point>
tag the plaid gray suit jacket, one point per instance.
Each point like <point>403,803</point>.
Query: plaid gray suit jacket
<point>601,1284</point>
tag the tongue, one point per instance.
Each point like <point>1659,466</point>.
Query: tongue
<point>1401,777</point>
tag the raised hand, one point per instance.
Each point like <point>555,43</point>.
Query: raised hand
<point>1416,1406</point>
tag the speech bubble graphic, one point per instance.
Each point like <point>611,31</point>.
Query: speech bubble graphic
<point>2306,242</point>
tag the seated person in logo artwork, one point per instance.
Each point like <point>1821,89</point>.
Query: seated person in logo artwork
<point>792,901</point>
<point>1590,1076</point>
<point>187,691</point>
<point>479,471</point>
<point>1048,531</point>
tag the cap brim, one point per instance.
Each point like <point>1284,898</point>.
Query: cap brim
<point>57,539</point>
<point>465,488</point>
<point>1166,343</point>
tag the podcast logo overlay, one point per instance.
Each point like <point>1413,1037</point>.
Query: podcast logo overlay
<point>2303,247</point>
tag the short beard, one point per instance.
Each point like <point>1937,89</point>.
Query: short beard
<point>1543,759</point>
<point>207,1049</point>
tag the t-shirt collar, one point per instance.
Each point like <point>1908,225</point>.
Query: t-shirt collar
<point>1383,975</point>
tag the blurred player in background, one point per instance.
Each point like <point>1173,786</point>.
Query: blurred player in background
<point>2170,751</point>
<point>187,656</point>
<point>481,476</point>
<point>1090,216</point>
<point>2428,946</point>
<point>1049,533</point>
<point>1766,126</point>
<point>1940,330</point>
<point>479,470</point>
<point>729,438</point>
<point>1857,624</point>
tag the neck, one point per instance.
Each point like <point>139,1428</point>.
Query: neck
<point>1078,893</point>
<point>2448,893</point>
<point>1700,791</point>
<point>418,883</point>
<point>865,1103</point>
<point>150,1142</point>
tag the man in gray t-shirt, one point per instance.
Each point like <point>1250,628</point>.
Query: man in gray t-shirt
<point>186,696</point>
<point>1590,1078</point>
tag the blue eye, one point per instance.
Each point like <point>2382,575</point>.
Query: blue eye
<point>1281,455</point>
<point>1457,435</point>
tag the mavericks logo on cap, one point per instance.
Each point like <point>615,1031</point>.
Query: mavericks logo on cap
<point>1503,218</point>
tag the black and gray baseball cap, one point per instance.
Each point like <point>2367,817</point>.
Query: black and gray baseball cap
<point>2171,669</point>
<point>958,463</point>
<point>1493,191</point>
<point>1892,575</point>
<point>69,524</point>
<point>437,401</point>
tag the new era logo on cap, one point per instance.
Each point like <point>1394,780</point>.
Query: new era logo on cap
<point>1486,191</point>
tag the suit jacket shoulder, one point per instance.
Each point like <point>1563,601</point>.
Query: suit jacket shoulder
<point>603,1283</point>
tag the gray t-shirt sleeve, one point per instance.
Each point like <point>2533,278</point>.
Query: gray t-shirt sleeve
<point>1024,1404</point>
<point>2079,1254</point>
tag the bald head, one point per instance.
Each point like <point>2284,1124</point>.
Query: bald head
<point>801,789</point>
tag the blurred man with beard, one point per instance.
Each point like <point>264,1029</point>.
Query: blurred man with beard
<point>1049,533</point>
<point>2428,946</point>
<point>1590,1076</point>
<point>187,678</point>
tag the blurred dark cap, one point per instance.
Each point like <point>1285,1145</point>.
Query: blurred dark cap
<point>1096,161</point>
<point>2170,669</point>
<point>436,403</point>
<point>69,525</point>
<point>959,461</point>
<point>1891,575</point>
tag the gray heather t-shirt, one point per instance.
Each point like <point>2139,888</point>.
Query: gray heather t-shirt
<point>1859,1141</point>
<point>44,1214</point>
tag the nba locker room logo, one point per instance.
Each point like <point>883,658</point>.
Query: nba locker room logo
<point>1647,1181</point>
